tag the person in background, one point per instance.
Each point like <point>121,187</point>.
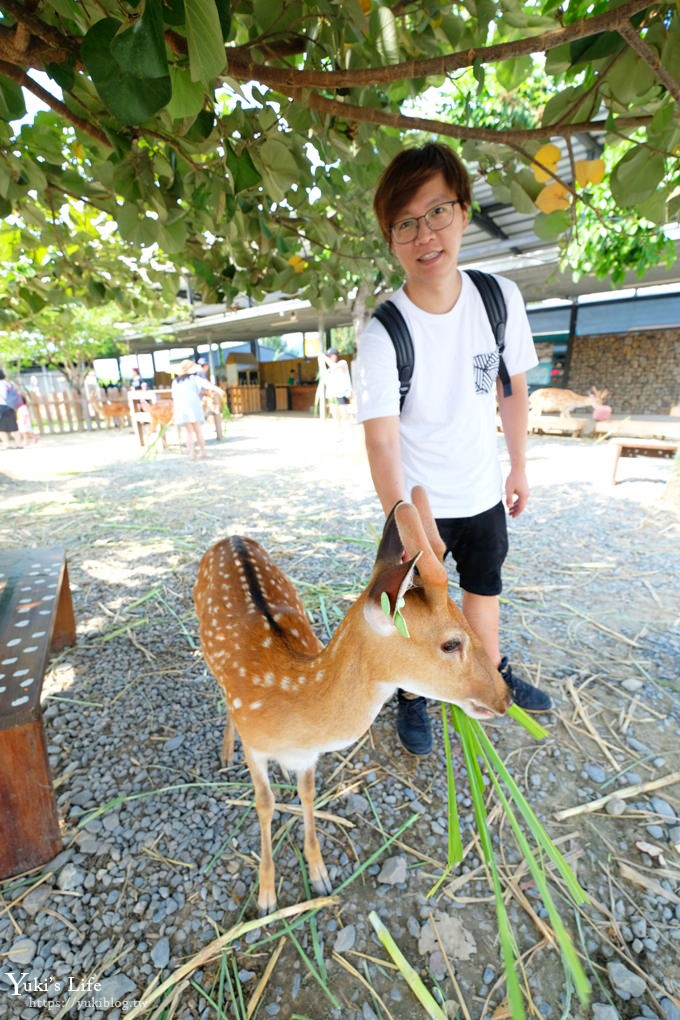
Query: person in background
<point>337,382</point>
<point>8,416</point>
<point>187,389</point>
<point>204,367</point>
<point>136,381</point>
<point>445,437</point>
<point>24,424</point>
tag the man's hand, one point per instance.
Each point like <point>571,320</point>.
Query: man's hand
<point>516,492</point>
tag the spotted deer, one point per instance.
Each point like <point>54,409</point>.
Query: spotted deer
<point>113,410</point>
<point>551,398</point>
<point>291,699</point>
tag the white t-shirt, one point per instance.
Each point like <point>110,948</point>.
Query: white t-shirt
<point>448,422</point>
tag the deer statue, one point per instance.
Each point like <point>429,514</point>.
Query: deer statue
<point>550,398</point>
<point>290,698</point>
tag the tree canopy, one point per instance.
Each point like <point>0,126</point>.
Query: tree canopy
<point>241,141</point>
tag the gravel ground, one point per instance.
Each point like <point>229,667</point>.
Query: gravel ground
<point>160,844</point>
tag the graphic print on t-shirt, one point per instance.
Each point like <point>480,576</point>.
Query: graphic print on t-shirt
<point>486,370</point>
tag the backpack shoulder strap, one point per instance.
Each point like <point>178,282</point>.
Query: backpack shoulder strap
<point>496,309</point>
<point>391,318</point>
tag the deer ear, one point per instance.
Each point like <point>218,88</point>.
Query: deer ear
<point>393,582</point>
<point>391,548</point>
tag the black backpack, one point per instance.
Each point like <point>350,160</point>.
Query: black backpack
<point>391,318</point>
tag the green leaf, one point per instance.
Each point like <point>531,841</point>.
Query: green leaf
<point>62,74</point>
<point>173,12</point>
<point>12,106</point>
<point>385,604</point>
<point>522,201</point>
<point>399,621</point>
<point>188,96</point>
<point>383,26</point>
<point>207,55</point>
<point>550,226</point>
<point>637,176</point>
<point>224,14</point>
<point>131,99</point>
<point>140,48</point>
<point>511,73</point>
<point>277,165</point>
<point>242,169</point>
<point>629,79</point>
<point>573,104</point>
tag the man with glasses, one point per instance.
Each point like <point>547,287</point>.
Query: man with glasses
<point>444,438</point>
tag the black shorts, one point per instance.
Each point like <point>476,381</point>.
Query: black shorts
<point>478,546</point>
<point>8,419</point>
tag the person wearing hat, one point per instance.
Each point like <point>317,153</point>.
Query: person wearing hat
<point>187,389</point>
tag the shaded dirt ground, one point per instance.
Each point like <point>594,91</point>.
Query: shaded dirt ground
<point>590,612</point>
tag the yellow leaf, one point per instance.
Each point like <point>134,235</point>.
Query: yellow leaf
<point>553,197</point>
<point>298,263</point>
<point>548,156</point>
<point>365,6</point>
<point>589,171</point>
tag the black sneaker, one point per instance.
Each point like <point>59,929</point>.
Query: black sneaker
<point>413,724</point>
<point>523,694</point>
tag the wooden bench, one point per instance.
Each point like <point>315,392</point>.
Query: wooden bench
<point>642,448</point>
<point>36,616</point>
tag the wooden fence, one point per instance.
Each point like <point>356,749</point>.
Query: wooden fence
<point>71,412</point>
<point>57,413</point>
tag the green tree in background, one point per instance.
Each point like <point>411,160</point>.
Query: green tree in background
<point>242,141</point>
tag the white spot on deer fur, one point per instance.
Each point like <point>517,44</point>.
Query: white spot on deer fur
<point>254,705</point>
<point>236,703</point>
<point>321,674</point>
<point>285,683</point>
<point>266,642</point>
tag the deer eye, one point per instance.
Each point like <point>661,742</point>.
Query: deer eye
<point>451,646</point>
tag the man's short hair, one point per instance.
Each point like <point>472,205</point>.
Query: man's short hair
<point>411,169</point>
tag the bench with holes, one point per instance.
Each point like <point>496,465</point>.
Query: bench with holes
<point>36,616</point>
<point>642,448</point>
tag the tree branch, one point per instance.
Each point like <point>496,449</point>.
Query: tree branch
<point>55,104</point>
<point>650,58</point>
<point>349,111</point>
<point>240,65</point>
<point>62,45</point>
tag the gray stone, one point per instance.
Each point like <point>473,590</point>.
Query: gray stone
<point>394,871</point>
<point>615,806</point>
<point>35,900</point>
<point>663,808</point>
<point>160,954</point>
<point>671,1011</point>
<point>625,983</point>
<point>116,988</point>
<point>71,878</point>
<point>602,1011</point>
<point>174,742</point>
<point>22,951</point>
<point>345,939</point>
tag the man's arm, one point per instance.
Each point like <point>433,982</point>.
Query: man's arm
<point>383,447</point>
<point>514,412</point>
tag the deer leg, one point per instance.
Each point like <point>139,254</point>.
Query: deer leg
<point>227,754</point>
<point>317,869</point>
<point>264,805</point>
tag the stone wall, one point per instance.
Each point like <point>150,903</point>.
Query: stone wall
<point>640,370</point>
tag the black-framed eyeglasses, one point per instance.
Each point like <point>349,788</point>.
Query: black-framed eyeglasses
<point>438,217</point>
